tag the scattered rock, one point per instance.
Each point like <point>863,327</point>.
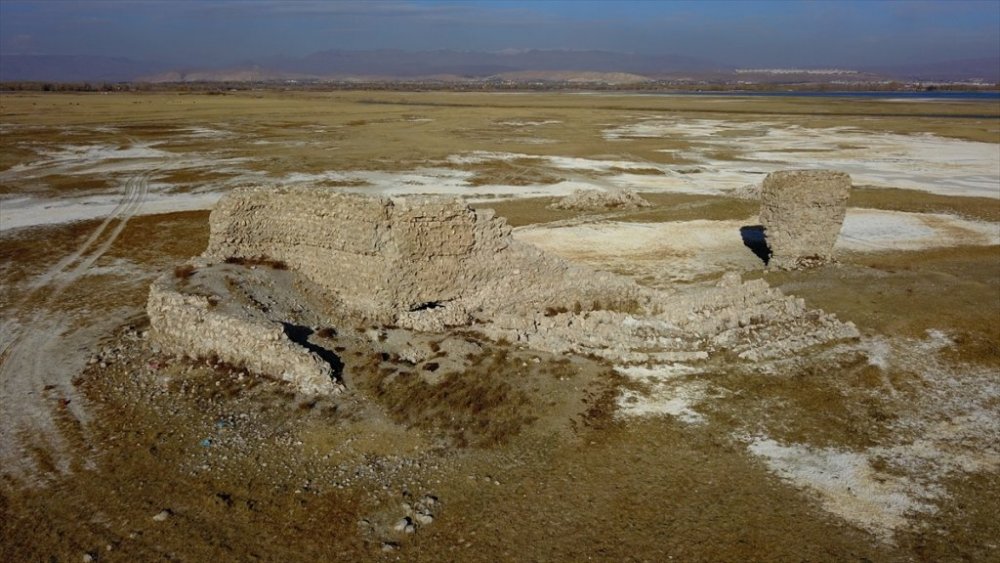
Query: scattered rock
<point>162,515</point>
<point>600,200</point>
<point>405,525</point>
<point>423,518</point>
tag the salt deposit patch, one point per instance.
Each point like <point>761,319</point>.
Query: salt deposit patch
<point>70,159</point>
<point>873,230</point>
<point>922,162</point>
<point>689,179</point>
<point>206,133</point>
<point>106,159</point>
<point>686,250</point>
<point>433,181</point>
<point>669,392</point>
<point>846,484</point>
<point>667,252</point>
<point>945,425</point>
<point>29,212</point>
<point>528,123</point>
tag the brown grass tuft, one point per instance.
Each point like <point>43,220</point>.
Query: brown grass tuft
<point>184,271</point>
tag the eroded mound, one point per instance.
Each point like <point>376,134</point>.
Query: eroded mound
<point>599,200</point>
<point>285,264</point>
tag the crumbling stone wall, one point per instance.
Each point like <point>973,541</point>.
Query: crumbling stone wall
<point>802,212</point>
<point>197,326</point>
<point>395,258</point>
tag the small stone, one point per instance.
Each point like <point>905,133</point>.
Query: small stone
<point>424,518</point>
<point>88,558</point>
<point>162,515</point>
<point>403,524</point>
<point>387,547</point>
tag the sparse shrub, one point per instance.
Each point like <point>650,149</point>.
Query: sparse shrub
<point>474,408</point>
<point>184,271</point>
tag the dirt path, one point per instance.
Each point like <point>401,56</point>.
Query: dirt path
<point>44,347</point>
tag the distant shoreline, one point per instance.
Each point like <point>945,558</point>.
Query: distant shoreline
<point>914,91</point>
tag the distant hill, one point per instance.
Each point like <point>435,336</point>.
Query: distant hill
<point>450,66</point>
<point>74,68</point>
<point>987,70</point>
<point>570,76</point>
<point>476,64</point>
<point>335,64</point>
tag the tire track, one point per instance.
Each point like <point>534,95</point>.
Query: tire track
<point>46,352</point>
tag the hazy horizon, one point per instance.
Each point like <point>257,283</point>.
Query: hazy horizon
<point>748,34</point>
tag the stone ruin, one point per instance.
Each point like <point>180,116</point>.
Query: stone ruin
<point>600,200</point>
<point>283,262</point>
<point>802,212</point>
<point>424,264</point>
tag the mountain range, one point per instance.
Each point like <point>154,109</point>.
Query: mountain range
<point>449,65</point>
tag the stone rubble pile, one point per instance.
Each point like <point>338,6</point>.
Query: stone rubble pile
<point>600,200</point>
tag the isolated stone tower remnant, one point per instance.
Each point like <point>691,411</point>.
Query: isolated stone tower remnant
<point>802,212</point>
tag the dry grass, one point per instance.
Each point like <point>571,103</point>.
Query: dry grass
<point>478,407</point>
<point>665,207</point>
<point>913,201</point>
<point>184,271</point>
<point>907,293</point>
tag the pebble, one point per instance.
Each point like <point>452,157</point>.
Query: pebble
<point>403,525</point>
<point>87,558</point>
<point>424,518</point>
<point>162,515</point>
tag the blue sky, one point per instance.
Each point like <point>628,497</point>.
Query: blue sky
<point>741,33</point>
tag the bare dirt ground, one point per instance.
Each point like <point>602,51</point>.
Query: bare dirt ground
<point>884,449</point>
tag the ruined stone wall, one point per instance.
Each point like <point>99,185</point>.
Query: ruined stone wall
<point>397,256</point>
<point>802,212</point>
<point>193,326</point>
